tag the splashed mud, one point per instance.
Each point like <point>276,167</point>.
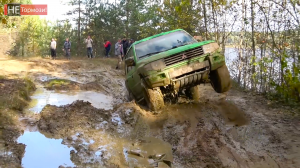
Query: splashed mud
<point>94,125</point>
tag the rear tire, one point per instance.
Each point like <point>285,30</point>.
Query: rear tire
<point>220,79</point>
<point>154,98</point>
<point>193,93</point>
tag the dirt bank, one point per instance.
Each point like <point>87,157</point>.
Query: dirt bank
<point>14,96</point>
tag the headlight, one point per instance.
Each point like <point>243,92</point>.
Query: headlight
<point>211,47</point>
<point>156,65</point>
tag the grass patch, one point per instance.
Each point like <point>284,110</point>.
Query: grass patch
<point>57,82</point>
<point>61,84</point>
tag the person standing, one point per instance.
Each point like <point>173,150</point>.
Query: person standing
<point>89,46</point>
<point>107,46</point>
<point>53,48</point>
<point>125,45</point>
<point>67,48</point>
<point>119,52</point>
<point>130,42</point>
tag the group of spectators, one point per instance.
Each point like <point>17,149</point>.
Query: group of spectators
<point>121,48</point>
<point>67,48</point>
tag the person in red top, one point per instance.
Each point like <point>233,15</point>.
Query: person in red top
<point>107,46</point>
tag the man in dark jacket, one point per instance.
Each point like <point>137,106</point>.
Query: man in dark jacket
<point>130,42</point>
<point>67,48</point>
<point>107,46</point>
<point>125,45</point>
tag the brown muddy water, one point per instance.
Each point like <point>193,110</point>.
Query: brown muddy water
<point>46,152</point>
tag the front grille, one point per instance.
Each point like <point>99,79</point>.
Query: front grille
<point>173,59</point>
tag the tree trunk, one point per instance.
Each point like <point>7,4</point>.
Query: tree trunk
<point>127,18</point>
<point>241,49</point>
<point>224,36</point>
<point>205,19</point>
<point>214,20</point>
<point>245,48</point>
<point>23,45</point>
<point>78,45</point>
<point>253,84</point>
<point>261,69</point>
<point>115,26</point>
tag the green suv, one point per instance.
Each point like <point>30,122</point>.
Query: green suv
<point>171,64</point>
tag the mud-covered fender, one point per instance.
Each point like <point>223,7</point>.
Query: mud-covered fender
<point>216,60</point>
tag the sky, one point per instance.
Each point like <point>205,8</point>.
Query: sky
<point>56,9</point>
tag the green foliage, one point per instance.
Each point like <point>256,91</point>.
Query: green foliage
<point>57,82</point>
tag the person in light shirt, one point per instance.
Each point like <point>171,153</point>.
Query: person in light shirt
<point>53,48</point>
<point>119,52</point>
<point>89,47</point>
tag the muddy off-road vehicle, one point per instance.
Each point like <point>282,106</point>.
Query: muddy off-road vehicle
<point>171,64</point>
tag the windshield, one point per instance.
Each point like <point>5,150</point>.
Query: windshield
<point>163,43</point>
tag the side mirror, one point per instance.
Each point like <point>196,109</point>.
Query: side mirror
<point>130,61</point>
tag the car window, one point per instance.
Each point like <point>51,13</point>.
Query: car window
<point>128,55</point>
<point>163,43</point>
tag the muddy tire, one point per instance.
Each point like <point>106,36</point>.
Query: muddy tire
<point>220,79</point>
<point>193,93</point>
<point>154,98</point>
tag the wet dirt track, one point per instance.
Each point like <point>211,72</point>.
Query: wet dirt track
<point>235,129</point>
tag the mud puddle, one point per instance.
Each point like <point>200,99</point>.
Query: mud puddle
<point>41,149</point>
<point>42,97</point>
<point>44,152</point>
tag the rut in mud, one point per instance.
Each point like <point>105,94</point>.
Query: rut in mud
<point>91,123</point>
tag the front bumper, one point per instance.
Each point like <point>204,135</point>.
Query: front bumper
<point>184,76</point>
<point>191,79</point>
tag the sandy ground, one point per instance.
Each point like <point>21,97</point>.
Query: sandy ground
<point>236,129</point>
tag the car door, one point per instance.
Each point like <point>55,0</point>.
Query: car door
<point>132,80</point>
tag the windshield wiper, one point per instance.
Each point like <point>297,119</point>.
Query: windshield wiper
<point>177,46</point>
<point>150,54</point>
<point>181,45</point>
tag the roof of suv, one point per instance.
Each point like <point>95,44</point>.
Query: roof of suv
<point>157,35</point>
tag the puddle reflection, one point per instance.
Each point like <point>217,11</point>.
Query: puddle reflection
<point>42,97</point>
<point>44,152</point>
